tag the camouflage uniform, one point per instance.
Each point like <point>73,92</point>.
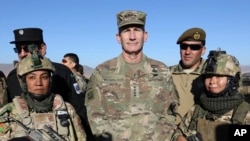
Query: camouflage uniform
<point>212,117</point>
<point>81,81</point>
<point>188,85</point>
<point>33,120</point>
<point>3,90</point>
<point>27,113</point>
<point>130,101</point>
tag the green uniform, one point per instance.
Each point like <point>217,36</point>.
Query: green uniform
<point>19,110</point>
<point>189,86</point>
<point>130,101</point>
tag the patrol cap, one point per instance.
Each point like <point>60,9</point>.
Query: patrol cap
<point>193,34</point>
<point>128,17</point>
<point>28,35</point>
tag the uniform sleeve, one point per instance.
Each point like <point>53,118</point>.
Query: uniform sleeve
<point>5,127</point>
<point>166,125</point>
<point>93,102</point>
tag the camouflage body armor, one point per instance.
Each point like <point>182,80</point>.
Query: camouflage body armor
<point>39,116</point>
<point>214,125</point>
<point>33,120</point>
<point>217,111</point>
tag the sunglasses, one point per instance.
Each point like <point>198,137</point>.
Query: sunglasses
<point>18,49</point>
<point>191,46</point>
<point>64,61</point>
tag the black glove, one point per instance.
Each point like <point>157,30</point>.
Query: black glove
<point>195,137</point>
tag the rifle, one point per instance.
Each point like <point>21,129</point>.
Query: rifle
<point>38,134</point>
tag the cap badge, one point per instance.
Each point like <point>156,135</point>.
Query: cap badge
<point>20,32</point>
<point>197,35</point>
<point>129,16</point>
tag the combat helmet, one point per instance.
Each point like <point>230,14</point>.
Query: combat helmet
<point>34,62</point>
<point>220,63</point>
<point>31,63</point>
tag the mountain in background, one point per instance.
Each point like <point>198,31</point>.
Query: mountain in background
<point>6,68</point>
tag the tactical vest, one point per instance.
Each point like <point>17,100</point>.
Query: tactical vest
<point>38,120</point>
<point>212,130</point>
<point>3,92</point>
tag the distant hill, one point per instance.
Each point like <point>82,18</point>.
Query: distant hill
<point>6,68</point>
<point>245,68</point>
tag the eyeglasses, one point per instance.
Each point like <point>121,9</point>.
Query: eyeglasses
<point>64,61</point>
<point>18,49</point>
<point>191,46</point>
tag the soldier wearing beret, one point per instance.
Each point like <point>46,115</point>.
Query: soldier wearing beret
<point>186,74</point>
<point>63,82</point>
<point>128,96</point>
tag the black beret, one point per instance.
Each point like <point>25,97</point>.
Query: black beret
<point>28,35</point>
<point>193,34</point>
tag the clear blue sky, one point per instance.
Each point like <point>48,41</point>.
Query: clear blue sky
<point>88,27</point>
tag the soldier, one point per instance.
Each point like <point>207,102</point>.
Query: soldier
<point>71,60</point>
<point>39,114</point>
<point>221,103</point>
<point>3,90</point>
<point>186,74</point>
<point>63,80</point>
<point>128,96</point>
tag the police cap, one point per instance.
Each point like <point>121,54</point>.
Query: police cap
<point>28,35</point>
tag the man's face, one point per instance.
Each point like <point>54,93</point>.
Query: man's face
<point>22,50</point>
<point>191,52</point>
<point>132,39</point>
<point>68,63</point>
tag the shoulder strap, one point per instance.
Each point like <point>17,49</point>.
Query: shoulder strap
<point>240,112</point>
<point>192,125</point>
<point>62,115</point>
<point>21,106</point>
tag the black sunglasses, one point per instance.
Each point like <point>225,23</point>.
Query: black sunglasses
<point>191,46</point>
<point>64,61</point>
<point>18,49</point>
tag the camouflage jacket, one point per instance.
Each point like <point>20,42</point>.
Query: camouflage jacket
<point>196,120</point>
<point>130,101</point>
<point>3,90</point>
<point>189,86</point>
<point>81,81</point>
<point>18,110</point>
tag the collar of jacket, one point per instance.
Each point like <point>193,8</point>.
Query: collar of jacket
<point>177,69</point>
